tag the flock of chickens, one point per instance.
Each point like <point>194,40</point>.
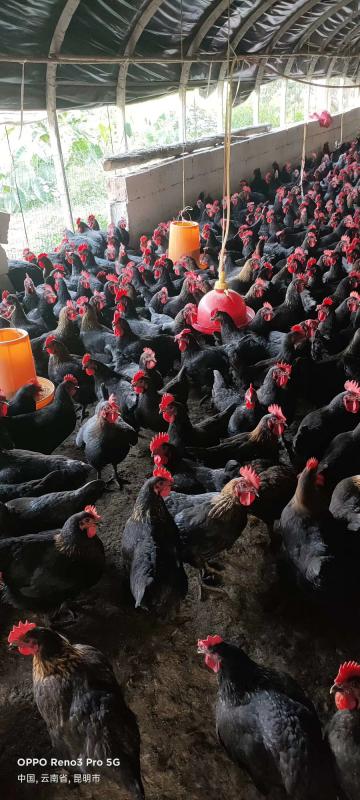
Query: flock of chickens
<point>117,329</point>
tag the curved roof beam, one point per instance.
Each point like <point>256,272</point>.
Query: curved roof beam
<point>142,21</point>
<point>56,44</point>
<point>324,18</point>
<point>320,21</point>
<point>199,36</point>
<point>343,43</point>
<point>249,21</point>
<point>291,20</point>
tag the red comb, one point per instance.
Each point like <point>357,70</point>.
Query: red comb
<point>166,400</point>
<point>352,386</point>
<point>327,301</point>
<point>70,379</point>
<point>267,305</point>
<point>312,463</point>
<point>285,367</point>
<point>120,293</point>
<point>113,401</point>
<point>349,669</point>
<point>184,332</point>
<point>210,641</point>
<point>138,376</point>
<point>91,510</point>
<point>149,352</point>
<point>161,472</point>
<point>50,339</point>
<point>277,412</point>
<point>158,440</point>
<point>85,359</point>
<point>250,475</point>
<point>19,630</point>
<point>5,294</point>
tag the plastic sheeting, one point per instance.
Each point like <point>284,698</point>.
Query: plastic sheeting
<point>104,28</point>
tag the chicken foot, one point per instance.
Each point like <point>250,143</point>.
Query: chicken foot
<point>205,587</point>
<point>115,477</point>
<point>213,568</point>
<point>119,480</point>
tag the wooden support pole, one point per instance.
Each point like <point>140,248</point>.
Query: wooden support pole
<point>207,58</point>
<point>55,142</point>
<point>121,113</point>
<point>67,13</point>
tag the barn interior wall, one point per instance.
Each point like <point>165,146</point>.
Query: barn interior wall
<point>155,194</point>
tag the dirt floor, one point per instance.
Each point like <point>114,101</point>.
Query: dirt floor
<point>165,681</point>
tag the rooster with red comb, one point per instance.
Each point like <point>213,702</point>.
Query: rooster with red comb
<point>211,523</point>
<point>343,730</point>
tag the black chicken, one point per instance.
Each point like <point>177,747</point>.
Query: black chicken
<point>268,726</point>
<point>82,705</point>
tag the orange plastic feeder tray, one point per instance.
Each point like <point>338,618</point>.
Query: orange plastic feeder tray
<point>17,365</point>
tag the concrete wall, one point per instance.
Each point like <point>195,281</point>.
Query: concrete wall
<point>155,194</point>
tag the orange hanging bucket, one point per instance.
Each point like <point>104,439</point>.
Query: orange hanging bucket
<point>184,240</point>
<point>16,360</point>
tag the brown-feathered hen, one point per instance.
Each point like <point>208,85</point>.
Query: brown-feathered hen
<point>82,705</point>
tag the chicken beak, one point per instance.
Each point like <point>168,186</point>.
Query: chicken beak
<point>334,688</point>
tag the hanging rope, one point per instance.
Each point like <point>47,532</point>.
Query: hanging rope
<point>183,113</point>
<point>303,153</point>
<point>221,282</point>
<point>16,186</point>
<point>110,130</point>
<point>22,93</point>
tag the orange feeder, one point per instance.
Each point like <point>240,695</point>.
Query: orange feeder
<point>184,240</point>
<point>17,365</point>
